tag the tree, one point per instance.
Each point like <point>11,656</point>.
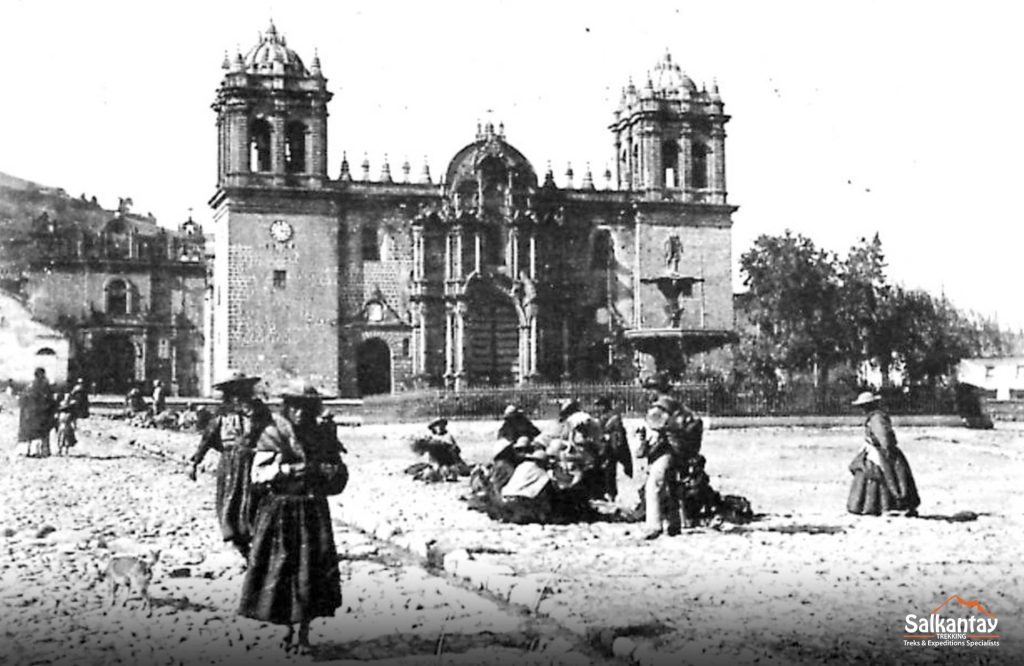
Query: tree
<point>870,320</point>
<point>794,292</point>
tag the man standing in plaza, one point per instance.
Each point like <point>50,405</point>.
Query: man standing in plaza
<point>234,433</point>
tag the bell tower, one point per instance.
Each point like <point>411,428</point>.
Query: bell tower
<point>670,137</point>
<point>276,220</point>
<point>271,117</point>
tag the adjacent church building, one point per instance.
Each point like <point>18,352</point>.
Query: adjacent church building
<point>492,276</point>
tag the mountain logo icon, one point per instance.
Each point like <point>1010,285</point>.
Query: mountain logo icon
<point>975,604</point>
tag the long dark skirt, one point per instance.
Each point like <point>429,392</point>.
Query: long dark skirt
<point>235,505</point>
<point>908,498</point>
<point>876,489</point>
<point>293,565</point>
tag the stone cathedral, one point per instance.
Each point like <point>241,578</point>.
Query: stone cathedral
<point>492,275</point>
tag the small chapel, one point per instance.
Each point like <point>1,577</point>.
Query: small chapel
<point>488,275</point>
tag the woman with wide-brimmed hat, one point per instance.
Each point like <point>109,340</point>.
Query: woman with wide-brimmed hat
<point>292,575</point>
<point>882,480</point>
<point>233,432</point>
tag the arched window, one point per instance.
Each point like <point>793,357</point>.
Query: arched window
<point>118,297</point>
<point>670,163</point>
<point>259,144</point>
<point>602,254</point>
<point>295,148</point>
<point>46,351</point>
<point>699,178</point>
<point>370,242</point>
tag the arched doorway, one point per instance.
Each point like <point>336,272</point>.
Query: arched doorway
<point>112,363</point>
<point>492,335</point>
<point>373,367</point>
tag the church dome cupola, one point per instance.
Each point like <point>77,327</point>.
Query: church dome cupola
<point>490,175</point>
<point>271,55</point>
<point>670,137</point>
<point>272,117</point>
<point>669,80</point>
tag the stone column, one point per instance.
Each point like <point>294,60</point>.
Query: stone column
<point>513,259</point>
<point>449,251</point>
<point>449,346</point>
<point>238,144</point>
<point>686,161</point>
<point>718,164</point>
<point>417,254</point>
<point>316,146</point>
<point>418,339</point>
<point>458,253</point>
<point>460,346</point>
<point>476,250</point>
<point>533,257</point>
<point>277,143</point>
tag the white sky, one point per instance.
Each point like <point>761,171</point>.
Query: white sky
<point>848,117</point>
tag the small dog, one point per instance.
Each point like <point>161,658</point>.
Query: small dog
<point>133,572</point>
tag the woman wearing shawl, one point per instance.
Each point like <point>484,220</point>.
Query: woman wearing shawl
<point>882,480</point>
<point>292,575</point>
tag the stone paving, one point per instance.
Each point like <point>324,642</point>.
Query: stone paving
<point>61,518</point>
<point>807,583</point>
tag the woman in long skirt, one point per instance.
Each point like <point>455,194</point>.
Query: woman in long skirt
<point>882,480</point>
<point>292,575</point>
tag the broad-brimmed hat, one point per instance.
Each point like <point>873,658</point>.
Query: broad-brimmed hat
<point>567,407</point>
<point>439,421</point>
<point>235,380</point>
<point>510,410</point>
<point>866,398</point>
<point>302,390</point>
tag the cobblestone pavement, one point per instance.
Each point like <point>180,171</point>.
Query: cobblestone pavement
<point>60,518</point>
<point>806,583</point>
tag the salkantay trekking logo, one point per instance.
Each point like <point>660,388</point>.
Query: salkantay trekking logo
<point>977,629</point>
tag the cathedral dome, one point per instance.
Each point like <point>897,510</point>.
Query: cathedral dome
<point>668,80</point>
<point>490,148</point>
<point>272,56</point>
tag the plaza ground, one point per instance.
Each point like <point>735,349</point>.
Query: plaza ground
<point>805,583</point>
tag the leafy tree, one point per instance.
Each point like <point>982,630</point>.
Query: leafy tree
<point>868,312</point>
<point>794,292</point>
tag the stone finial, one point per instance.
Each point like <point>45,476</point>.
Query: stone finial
<point>588,179</point>
<point>314,67</point>
<point>568,176</point>
<point>226,63</point>
<point>549,177</point>
<point>501,130</point>
<point>366,168</point>
<point>405,170</point>
<point>715,95</point>
<point>239,64</point>
<point>479,131</point>
<point>607,178</point>
<point>385,171</point>
<point>345,175</point>
<point>425,174</point>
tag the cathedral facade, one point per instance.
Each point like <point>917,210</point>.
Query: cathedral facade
<point>492,275</point>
